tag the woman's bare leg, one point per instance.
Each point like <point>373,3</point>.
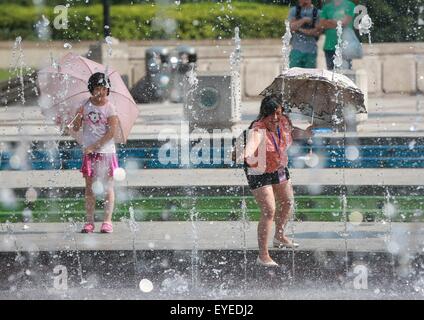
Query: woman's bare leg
<point>265,198</point>
<point>90,199</point>
<point>285,202</point>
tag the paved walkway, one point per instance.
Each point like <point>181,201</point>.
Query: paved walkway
<point>213,235</point>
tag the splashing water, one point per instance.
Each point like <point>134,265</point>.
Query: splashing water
<point>70,233</point>
<point>191,84</point>
<point>389,211</point>
<point>345,233</point>
<point>42,28</point>
<point>245,228</point>
<point>235,63</point>
<point>12,238</point>
<point>286,38</point>
<point>192,80</point>
<point>109,41</point>
<point>17,66</point>
<point>338,57</point>
<point>194,216</point>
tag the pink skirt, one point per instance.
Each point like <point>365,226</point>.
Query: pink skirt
<point>99,164</point>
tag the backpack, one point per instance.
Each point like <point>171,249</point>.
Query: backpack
<point>242,141</point>
<point>314,16</point>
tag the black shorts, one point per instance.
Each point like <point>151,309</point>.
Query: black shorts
<point>267,179</point>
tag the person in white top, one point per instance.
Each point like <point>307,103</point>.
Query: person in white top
<point>99,122</point>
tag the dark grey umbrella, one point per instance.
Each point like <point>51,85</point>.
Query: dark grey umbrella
<point>320,94</point>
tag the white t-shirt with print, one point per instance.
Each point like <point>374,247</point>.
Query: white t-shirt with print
<point>95,125</point>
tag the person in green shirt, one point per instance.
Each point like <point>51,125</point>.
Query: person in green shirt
<point>332,12</point>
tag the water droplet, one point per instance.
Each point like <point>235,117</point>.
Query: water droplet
<point>31,195</point>
<point>45,22</point>
<point>352,153</point>
<point>355,217</point>
<point>389,210</point>
<point>312,160</point>
<point>418,213</point>
<point>98,187</point>
<point>393,247</point>
<point>164,80</point>
<point>27,215</point>
<point>119,174</point>
<point>15,162</point>
<point>338,61</point>
<point>145,285</point>
<point>109,40</point>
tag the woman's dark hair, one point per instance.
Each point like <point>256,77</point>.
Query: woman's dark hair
<point>268,106</point>
<point>98,79</point>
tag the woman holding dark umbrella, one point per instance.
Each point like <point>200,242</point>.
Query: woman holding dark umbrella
<point>266,160</point>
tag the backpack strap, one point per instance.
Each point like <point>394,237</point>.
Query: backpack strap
<point>314,16</point>
<point>298,11</point>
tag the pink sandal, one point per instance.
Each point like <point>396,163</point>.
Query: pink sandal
<point>88,228</point>
<point>106,227</point>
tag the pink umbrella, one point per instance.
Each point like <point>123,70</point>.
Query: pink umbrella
<point>64,89</point>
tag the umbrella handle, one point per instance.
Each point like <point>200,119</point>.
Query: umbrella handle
<point>72,121</point>
<point>312,123</point>
<point>76,115</point>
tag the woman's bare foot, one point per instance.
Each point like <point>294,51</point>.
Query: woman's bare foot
<point>265,258</point>
<point>283,238</point>
<point>266,261</point>
<point>284,241</point>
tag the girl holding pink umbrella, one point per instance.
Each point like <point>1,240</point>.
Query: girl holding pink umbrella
<point>65,98</point>
<point>99,121</point>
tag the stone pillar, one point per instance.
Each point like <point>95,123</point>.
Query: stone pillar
<point>360,78</point>
<point>399,74</point>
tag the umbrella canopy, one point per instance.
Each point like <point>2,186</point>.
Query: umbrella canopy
<point>318,93</point>
<point>63,88</point>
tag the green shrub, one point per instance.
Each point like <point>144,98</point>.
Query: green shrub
<point>137,22</point>
<point>394,20</point>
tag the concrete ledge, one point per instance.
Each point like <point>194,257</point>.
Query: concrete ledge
<point>216,177</point>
